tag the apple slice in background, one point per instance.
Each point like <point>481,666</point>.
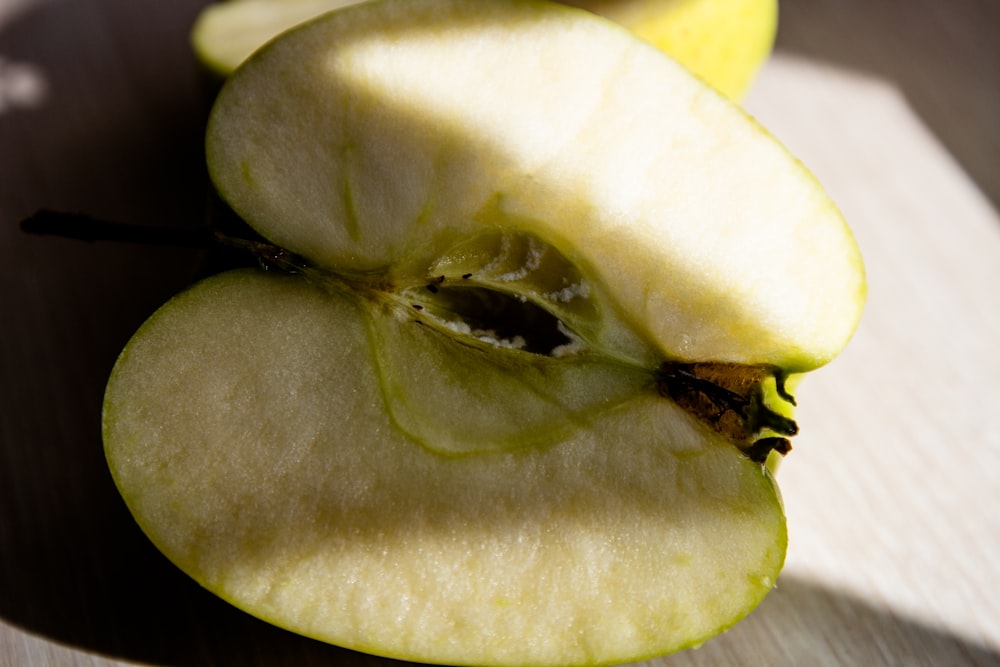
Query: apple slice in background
<point>723,41</point>
<point>226,33</point>
<point>512,403</point>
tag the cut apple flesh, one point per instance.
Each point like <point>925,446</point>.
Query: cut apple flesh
<point>382,136</point>
<point>512,405</point>
<point>248,434</point>
<point>724,42</point>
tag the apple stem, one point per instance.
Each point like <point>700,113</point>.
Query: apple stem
<point>739,412</point>
<point>83,227</point>
<point>780,378</point>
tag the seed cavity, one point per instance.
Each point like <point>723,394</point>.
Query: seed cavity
<point>518,262</point>
<point>500,319</point>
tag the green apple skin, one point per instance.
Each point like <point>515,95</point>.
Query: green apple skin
<point>723,41</point>
<point>448,435</point>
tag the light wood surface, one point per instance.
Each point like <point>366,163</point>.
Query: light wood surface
<point>892,490</point>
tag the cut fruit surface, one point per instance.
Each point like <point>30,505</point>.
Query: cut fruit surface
<point>724,42</point>
<point>248,434</point>
<point>384,148</point>
<point>511,402</point>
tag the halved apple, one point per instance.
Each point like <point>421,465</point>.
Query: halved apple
<point>510,401</point>
<point>724,42</point>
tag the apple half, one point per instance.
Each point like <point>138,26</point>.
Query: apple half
<point>507,398</point>
<point>723,41</point>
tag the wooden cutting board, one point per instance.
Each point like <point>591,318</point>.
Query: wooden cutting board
<point>892,491</point>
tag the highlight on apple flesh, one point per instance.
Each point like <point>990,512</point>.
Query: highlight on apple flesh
<point>723,41</point>
<point>511,401</point>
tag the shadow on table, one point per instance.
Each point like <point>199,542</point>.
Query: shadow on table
<point>803,622</point>
<point>944,57</point>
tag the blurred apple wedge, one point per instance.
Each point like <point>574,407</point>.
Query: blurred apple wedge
<point>723,41</point>
<point>227,32</point>
<point>508,403</point>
